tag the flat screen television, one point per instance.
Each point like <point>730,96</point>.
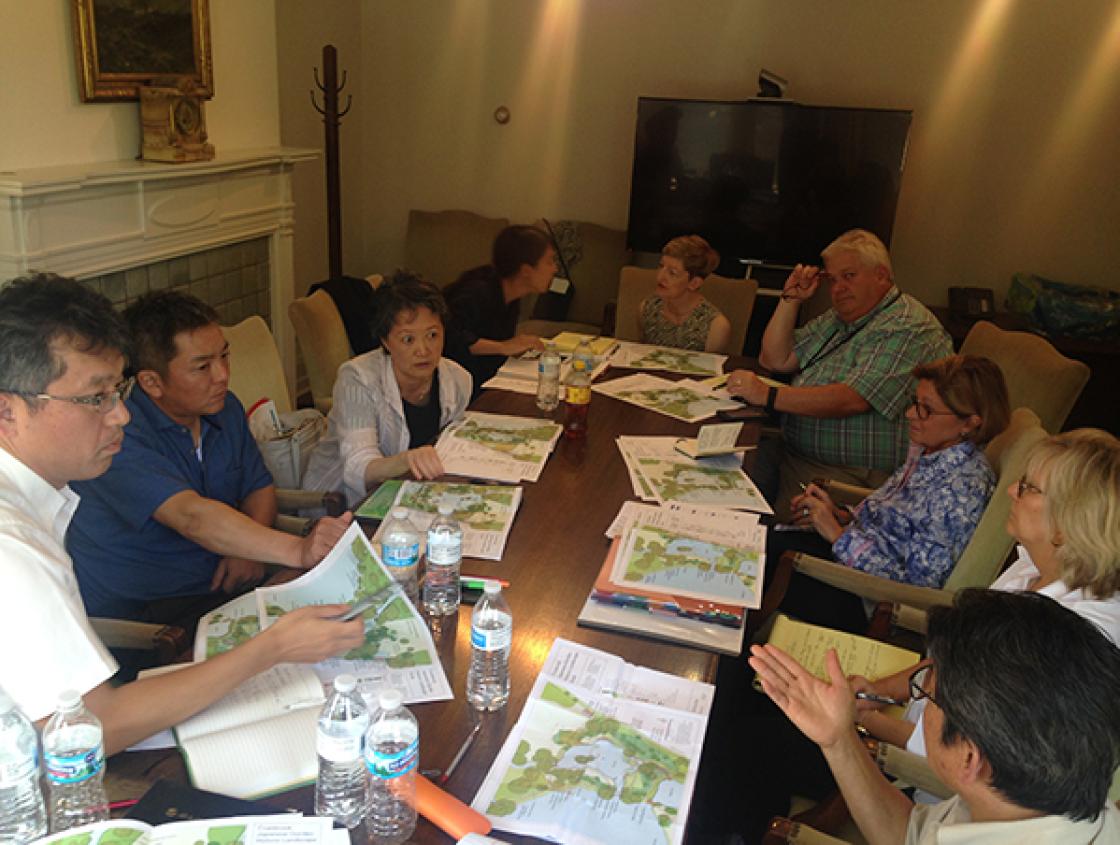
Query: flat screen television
<point>765,181</point>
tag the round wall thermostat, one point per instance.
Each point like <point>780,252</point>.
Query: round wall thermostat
<point>501,115</point>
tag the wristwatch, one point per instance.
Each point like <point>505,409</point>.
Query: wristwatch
<point>771,398</point>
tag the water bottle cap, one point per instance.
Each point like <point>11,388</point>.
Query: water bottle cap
<point>492,587</point>
<point>389,699</point>
<point>400,513</point>
<point>345,683</point>
<point>446,510</point>
<point>69,698</point>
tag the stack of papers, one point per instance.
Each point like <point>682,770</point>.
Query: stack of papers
<point>280,829</point>
<point>641,356</point>
<point>519,375</point>
<point>497,446</point>
<point>659,473</point>
<point>684,400</point>
<point>603,752</point>
<point>566,343</point>
<point>484,512</point>
<point>398,650</point>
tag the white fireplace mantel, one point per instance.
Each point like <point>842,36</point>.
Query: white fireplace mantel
<point>87,219</point>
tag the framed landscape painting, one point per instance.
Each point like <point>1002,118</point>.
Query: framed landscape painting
<point>124,43</point>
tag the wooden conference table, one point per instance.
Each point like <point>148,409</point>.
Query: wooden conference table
<point>555,549</point>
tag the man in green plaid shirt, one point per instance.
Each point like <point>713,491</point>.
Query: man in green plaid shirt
<point>842,418</point>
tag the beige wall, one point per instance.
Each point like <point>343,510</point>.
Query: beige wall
<point>44,122</point>
<point>1012,161</point>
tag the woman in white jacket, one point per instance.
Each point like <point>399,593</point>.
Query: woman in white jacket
<point>390,404</point>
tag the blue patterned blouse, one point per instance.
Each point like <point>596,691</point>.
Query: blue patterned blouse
<point>914,527</point>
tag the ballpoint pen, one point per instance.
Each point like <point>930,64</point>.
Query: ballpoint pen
<point>463,749</point>
<point>879,699</point>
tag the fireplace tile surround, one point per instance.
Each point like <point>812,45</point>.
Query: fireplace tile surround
<point>220,230</point>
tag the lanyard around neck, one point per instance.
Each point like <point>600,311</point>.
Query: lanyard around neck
<point>825,351</point>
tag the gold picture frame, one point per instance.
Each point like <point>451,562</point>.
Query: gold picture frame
<point>121,44</point>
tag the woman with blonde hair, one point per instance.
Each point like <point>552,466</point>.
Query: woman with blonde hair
<point>1065,515</point>
<point>677,314</point>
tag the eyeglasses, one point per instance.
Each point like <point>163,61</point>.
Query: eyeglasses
<point>918,682</point>
<point>1027,487</point>
<point>102,403</point>
<point>924,411</point>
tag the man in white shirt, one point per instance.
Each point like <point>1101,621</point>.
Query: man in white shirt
<point>1023,723</point>
<point>61,420</point>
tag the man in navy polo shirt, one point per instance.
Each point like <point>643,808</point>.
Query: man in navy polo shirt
<point>186,508</point>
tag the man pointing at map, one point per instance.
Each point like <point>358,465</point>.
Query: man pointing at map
<point>62,419</point>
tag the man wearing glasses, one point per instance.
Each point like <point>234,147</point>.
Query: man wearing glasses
<point>62,419</point>
<point>1023,723</point>
<point>842,417</point>
<point>185,511</point>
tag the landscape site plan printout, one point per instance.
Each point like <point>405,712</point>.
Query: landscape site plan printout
<point>676,564</point>
<point>485,512</point>
<point>281,829</point>
<point>683,400</point>
<point>497,446</point>
<point>604,752</point>
<point>642,356</point>
<point>398,650</point>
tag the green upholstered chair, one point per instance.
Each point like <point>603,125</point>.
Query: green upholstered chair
<point>1038,376</point>
<point>440,245</point>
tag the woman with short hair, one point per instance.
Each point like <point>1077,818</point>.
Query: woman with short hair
<point>677,314</point>
<point>391,404</point>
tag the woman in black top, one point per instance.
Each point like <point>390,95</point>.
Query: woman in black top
<point>484,301</point>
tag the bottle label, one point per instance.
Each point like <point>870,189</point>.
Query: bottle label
<point>389,766</point>
<point>74,768</point>
<point>341,749</point>
<point>401,556</point>
<point>577,395</point>
<point>17,772</point>
<point>491,640</point>
<point>445,552</point>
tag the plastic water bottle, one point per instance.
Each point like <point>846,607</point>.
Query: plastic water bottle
<point>491,635</point>
<point>441,575</point>
<point>583,353</point>
<point>23,816</point>
<point>548,378</point>
<point>400,550</point>
<point>392,753</point>
<point>577,399</point>
<point>341,788</point>
<point>74,759</point>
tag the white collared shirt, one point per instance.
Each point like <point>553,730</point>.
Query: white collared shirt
<point>950,823</point>
<point>46,642</point>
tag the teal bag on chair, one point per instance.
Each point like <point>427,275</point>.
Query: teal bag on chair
<point>1059,309</point>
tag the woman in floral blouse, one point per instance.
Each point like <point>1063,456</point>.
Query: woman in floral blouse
<point>915,527</point>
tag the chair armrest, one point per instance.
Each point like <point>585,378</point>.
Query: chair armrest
<point>784,830</point>
<point>846,494</point>
<point>869,586</point>
<point>167,641</point>
<point>910,618</point>
<point>911,768</point>
<point>290,501</point>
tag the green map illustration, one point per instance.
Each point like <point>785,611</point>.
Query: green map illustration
<point>476,506</point>
<point>390,625</point>
<point>229,628</point>
<point>679,402</point>
<point>678,482</point>
<point>110,836</point>
<point>568,747</point>
<point>529,443</point>
<point>662,560</point>
<point>677,361</point>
